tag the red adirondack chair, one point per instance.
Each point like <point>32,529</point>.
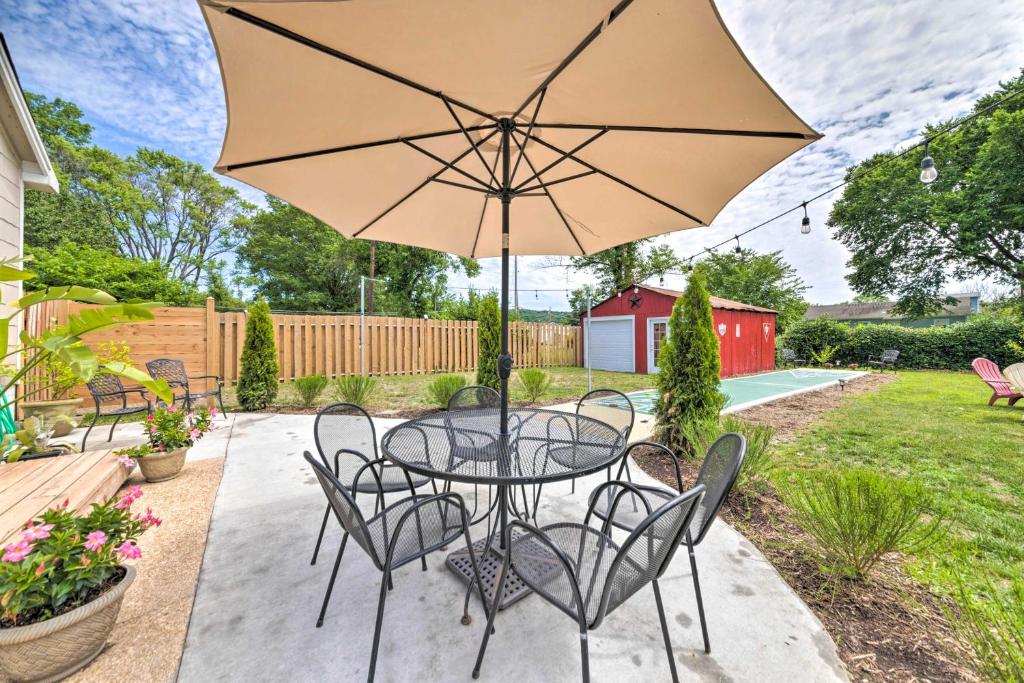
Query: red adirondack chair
<point>990,375</point>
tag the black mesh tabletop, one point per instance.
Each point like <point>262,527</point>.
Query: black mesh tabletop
<point>464,445</point>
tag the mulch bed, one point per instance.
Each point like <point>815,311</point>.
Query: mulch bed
<point>888,629</point>
<point>403,414</point>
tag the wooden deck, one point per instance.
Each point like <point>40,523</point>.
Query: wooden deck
<point>27,488</point>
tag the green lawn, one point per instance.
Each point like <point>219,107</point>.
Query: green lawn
<point>409,392</point>
<point>937,426</point>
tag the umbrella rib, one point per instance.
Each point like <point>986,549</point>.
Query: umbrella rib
<point>451,165</point>
<point>338,54</point>
<point>348,148</point>
<point>529,131</point>
<point>522,149</point>
<point>469,139</point>
<point>565,155</point>
<point>620,181</point>
<point>462,185</point>
<point>591,37</point>
<point>418,188</point>
<point>483,210</point>
<point>692,131</point>
<point>541,186</point>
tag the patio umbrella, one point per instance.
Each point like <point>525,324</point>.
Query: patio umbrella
<point>489,129</point>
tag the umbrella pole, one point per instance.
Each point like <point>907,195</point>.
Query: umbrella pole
<point>504,360</point>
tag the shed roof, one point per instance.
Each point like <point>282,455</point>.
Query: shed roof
<point>716,301</point>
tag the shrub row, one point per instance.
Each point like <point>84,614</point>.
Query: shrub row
<point>952,347</point>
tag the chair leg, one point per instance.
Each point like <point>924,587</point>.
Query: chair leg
<point>700,601</point>
<point>110,436</point>
<point>380,621</point>
<point>91,425</point>
<point>330,585</point>
<point>505,568</point>
<point>664,632</point>
<point>320,537</point>
<point>584,654</point>
<point>220,400</point>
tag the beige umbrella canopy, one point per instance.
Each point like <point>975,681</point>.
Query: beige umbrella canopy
<point>571,126</point>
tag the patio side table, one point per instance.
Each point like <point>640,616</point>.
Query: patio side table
<point>467,446</point>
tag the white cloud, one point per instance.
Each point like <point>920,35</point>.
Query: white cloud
<point>867,74</point>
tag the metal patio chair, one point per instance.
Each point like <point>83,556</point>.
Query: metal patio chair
<point>789,357</point>
<point>717,474</point>
<point>607,405</point>
<point>345,436</point>
<point>105,388</point>
<point>403,532</point>
<point>173,371</point>
<point>582,572</point>
<point>886,360</point>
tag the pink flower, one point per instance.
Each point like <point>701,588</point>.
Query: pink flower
<point>195,434</point>
<point>40,569</point>
<point>95,540</point>
<point>149,519</point>
<point>173,408</point>
<point>152,429</point>
<point>36,533</point>
<point>124,502</point>
<point>16,552</point>
<point>135,492</point>
<point>129,551</point>
<point>213,412</point>
<point>127,463</point>
<point>149,417</point>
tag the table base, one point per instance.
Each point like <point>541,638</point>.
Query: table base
<point>489,560</point>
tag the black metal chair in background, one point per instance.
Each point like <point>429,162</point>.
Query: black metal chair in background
<point>105,388</point>
<point>790,358</point>
<point>886,361</point>
<point>717,474</point>
<point>403,532</point>
<point>173,371</point>
<point>582,572</point>
<point>345,436</point>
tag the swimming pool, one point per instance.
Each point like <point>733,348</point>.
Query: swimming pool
<point>751,390</point>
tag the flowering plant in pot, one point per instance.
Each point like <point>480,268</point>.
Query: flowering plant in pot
<point>170,432</point>
<point>62,581</point>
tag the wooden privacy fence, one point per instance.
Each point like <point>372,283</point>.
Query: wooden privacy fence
<point>210,342</point>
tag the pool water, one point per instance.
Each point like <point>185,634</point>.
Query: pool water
<point>750,390</point>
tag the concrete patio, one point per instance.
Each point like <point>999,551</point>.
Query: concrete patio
<point>258,596</point>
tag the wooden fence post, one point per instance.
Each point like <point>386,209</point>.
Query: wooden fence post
<point>212,341</point>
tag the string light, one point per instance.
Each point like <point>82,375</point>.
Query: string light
<point>805,224</point>
<point>737,249</point>
<point>928,171</point>
<point>661,280</point>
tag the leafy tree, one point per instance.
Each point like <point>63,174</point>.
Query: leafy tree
<point>128,279</point>
<point>257,383</point>
<point>689,366</point>
<point>58,119</point>
<point>757,279</point>
<point>300,263</point>
<point>458,308</point>
<point>908,239</point>
<point>489,332</point>
<point>578,299</point>
<point>620,267</point>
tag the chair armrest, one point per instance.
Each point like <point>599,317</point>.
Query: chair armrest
<point>216,377</point>
<point>379,462</point>
<point>637,444</point>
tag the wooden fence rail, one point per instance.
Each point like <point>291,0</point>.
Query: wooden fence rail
<point>210,342</point>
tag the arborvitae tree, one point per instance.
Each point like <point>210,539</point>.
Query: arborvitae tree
<point>689,364</point>
<point>257,384</point>
<point>489,331</point>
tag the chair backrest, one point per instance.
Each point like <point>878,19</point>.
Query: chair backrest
<point>788,354</point>
<point>345,426</point>
<point>647,552</point>
<point>987,370</point>
<point>1015,373</point>
<point>609,406</point>
<point>169,369</point>
<point>890,355</point>
<point>344,506</point>
<point>474,397</point>
<point>718,473</point>
<point>660,451</point>
<point>103,386</point>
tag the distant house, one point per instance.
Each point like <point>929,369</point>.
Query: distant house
<point>876,313</point>
<point>23,164</point>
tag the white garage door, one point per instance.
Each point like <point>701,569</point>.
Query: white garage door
<point>612,347</point>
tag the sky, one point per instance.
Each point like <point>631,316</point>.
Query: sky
<point>867,73</point>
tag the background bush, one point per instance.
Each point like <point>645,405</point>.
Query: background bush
<point>257,382</point>
<point>309,389</point>
<point>993,626</point>
<point>858,515</point>
<point>489,332</point>
<point>354,388</point>
<point>535,382</point>
<point>443,388</point>
<point>951,347</point>
<point>757,462</point>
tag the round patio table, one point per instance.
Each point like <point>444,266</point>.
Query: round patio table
<point>541,446</point>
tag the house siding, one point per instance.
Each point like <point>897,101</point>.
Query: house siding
<point>11,222</point>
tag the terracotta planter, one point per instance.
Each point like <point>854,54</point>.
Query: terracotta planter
<point>162,466</point>
<point>54,649</point>
<point>65,406</point>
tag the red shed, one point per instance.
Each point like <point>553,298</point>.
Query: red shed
<point>628,329</point>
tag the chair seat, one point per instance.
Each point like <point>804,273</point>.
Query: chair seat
<point>630,511</point>
<point>590,552</point>
<point>427,529</point>
<point>128,410</point>
<point>391,479</point>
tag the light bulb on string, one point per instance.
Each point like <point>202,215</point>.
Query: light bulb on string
<point>661,280</point>
<point>737,249</point>
<point>928,171</point>
<point>805,224</point>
